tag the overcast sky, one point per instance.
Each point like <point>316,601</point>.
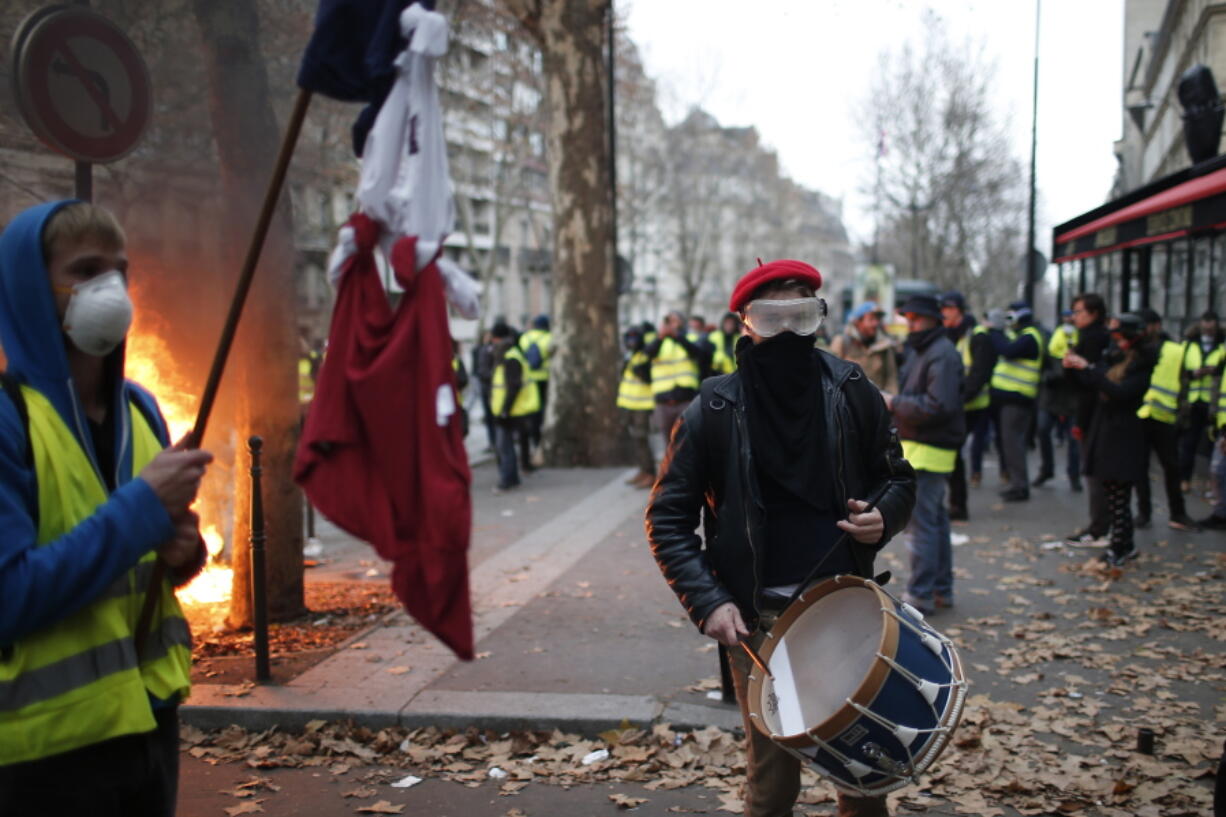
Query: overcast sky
<point>797,69</point>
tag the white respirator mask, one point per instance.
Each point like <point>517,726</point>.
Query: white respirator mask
<point>99,313</point>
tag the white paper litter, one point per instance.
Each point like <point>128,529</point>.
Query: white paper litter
<point>405,745</point>
<point>406,782</point>
<point>715,696</point>
<point>1054,544</point>
<point>313,548</point>
<point>595,757</point>
<point>958,539</point>
<point>496,773</point>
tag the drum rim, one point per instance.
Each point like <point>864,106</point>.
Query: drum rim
<point>865,694</point>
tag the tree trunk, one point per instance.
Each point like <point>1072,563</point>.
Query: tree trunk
<point>581,423</point>
<point>246,134</point>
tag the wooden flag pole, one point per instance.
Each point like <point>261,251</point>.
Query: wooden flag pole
<point>193,440</point>
<point>275,184</point>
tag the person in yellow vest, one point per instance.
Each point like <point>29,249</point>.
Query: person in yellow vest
<point>514,398</point>
<point>536,344</point>
<point>723,340</point>
<point>1057,407</point>
<point>1216,520</point>
<point>635,404</point>
<point>932,425</point>
<point>978,357</point>
<point>1015,389</point>
<point>1159,412</point>
<point>1204,356</point>
<point>90,498</point>
<point>676,371</point>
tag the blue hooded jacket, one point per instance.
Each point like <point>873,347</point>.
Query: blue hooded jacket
<point>42,585</point>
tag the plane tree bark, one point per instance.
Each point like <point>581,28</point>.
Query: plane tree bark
<point>581,421</point>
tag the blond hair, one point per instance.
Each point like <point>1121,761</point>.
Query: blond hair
<point>79,222</point>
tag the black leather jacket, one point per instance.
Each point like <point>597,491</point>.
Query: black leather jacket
<point>710,470</point>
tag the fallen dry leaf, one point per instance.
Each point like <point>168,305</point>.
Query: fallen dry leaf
<point>245,807</point>
<point>381,807</point>
<point>627,802</point>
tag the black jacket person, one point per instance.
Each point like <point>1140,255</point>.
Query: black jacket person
<point>772,458</point>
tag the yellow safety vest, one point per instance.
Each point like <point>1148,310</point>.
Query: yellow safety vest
<point>1020,375</point>
<point>542,339</point>
<point>723,362</point>
<point>306,383</point>
<point>77,682</point>
<point>633,393</point>
<point>1061,341</point>
<point>1194,358</point>
<point>984,398</point>
<point>672,368</point>
<point>527,400</point>
<point>455,368</point>
<point>1221,403</point>
<point>931,458</point>
<point>1161,401</point>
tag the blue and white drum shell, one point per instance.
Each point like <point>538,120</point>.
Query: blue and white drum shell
<point>861,687</point>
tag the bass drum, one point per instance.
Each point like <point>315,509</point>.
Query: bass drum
<point>861,687</point>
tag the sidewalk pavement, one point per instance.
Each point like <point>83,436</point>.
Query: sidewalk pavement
<point>576,629</point>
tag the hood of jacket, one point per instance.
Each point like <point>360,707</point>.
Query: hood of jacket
<point>30,331</point>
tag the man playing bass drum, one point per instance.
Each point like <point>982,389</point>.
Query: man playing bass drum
<point>779,458</point>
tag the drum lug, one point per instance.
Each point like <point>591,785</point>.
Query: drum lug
<point>929,690</point>
<point>906,735</point>
<point>858,770</point>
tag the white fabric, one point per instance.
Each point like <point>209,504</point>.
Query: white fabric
<point>346,246</point>
<point>405,183</point>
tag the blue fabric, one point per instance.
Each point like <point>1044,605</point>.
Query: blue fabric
<point>1023,347</point>
<point>41,585</point>
<point>533,356</point>
<point>504,448</point>
<point>1217,467</point>
<point>928,542</point>
<point>351,55</point>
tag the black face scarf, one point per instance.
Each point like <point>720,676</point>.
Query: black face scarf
<point>783,396</point>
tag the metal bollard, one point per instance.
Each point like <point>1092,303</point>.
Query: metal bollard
<point>259,596</point>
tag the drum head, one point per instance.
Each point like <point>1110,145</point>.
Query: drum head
<point>823,658</point>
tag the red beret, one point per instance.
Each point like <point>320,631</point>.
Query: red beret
<point>774,271</point>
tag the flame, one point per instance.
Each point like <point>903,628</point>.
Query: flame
<point>150,363</point>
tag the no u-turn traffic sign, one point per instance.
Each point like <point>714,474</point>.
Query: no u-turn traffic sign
<point>80,83</point>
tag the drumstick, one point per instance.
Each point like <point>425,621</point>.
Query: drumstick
<point>757,659</point>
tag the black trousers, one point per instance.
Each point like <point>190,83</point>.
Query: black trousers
<point>536,422</point>
<point>1118,494</point>
<point>957,480</point>
<point>131,776</point>
<point>1192,439</point>
<point>1163,440</point>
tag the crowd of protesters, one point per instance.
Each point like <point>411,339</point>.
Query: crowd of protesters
<point>1103,392</point>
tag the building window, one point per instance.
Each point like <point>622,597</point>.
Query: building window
<point>1157,278</point>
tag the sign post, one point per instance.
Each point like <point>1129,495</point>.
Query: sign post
<point>81,86</point>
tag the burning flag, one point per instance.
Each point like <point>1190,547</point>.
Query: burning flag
<point>381,453</point>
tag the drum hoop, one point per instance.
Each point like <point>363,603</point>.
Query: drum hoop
<point>865,694</point>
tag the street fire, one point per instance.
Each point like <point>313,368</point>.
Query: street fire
<point>150,363</point>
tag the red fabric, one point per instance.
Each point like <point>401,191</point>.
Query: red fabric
<point>372,457</point>
<point>1192,190</point>
<point>774,271</point>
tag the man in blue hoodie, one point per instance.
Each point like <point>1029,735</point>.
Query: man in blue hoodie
<point>94,510</point>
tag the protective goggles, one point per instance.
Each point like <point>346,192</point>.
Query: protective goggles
<point>802,316</point>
